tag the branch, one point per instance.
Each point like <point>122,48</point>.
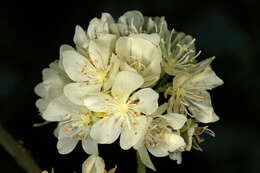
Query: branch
<point>18,152</point>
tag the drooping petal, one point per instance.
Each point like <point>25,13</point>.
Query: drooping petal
<point>176,156</point>
<point>161,109</point>
<point>58,108</point>
<point>76,92</point>
<point>106,130</point>
<point>147,100</point>
<point>76,66</point>
<point>142,151</point>
<point>132,131</point>
<point>42,104</point>
<point>66,145</point>
<point>41,90</point>
<point>90,146</point>
<point>99,103</point>
<point>125,83</point>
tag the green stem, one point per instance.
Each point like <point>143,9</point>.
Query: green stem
<point>18,152</point>
<point>140,166</point>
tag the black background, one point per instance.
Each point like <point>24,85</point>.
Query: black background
<point>30,36</point>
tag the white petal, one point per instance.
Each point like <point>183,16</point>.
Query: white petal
<point>106,130</point>
<point>145,158</point>
<point>75,65</point>
<point>42,104</point>
<point>148,100</point>
<point>202,109</point>
<point>176,120</point>
<point>63,48</point>
<point>171,143</point>
<point>80,37</point>
<point>133,19</point>
<point>161,109</point>
<point>94,164</point>
<point>66,145</point>
<point>101,49</point>
<point>125,83</point>
<point>132,131</point>
<point>176,156</point>
<point>58,108</point>
<point>99,103</point>
<point>204,80</point>
<point>90,146</point>
<point>113,70</point>
<point>76,92</point>
<point>40,90</point>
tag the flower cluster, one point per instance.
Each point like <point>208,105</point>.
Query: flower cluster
<point>108,87</point>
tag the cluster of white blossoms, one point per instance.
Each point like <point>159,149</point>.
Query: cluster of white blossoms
<point>109,85</point>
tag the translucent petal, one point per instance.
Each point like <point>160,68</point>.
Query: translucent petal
<point>176,156</point>
<point>66,145</point>
<point>94,164</point>
<point>80,37</point>
<point>90,146</point>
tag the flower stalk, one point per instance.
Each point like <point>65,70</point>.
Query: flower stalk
<point>140,166</point>
<point>18,152</point>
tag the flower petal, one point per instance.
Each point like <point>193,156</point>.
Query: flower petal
<point>176,156</point>
<point>132,131</point>
<point>113,70</point>
<point>147,100</point>
<point>75,65</point>
<point>142,151</point>
<point>90,146</point>
<point>100,49</point>
<point>125,83</point>
<point>99,103</point>
<point>76,92</point>
<point>58,108</point>
<point>175,120</point>
<point>94,164</point>
<point>80,37</point>
<point>106,130</point>
<point>66,145</point>
<point>205,80</point>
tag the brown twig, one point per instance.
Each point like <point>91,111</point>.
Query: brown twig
<point>18,152</point>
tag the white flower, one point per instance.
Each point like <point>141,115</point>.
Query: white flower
<point>74,125</point>
<point>54,80</point>
<point>189,94</point>
<point>156,25</point>
<point>90,74</point>
<point>141,53</point>
<point>179,54</point>
<point>130,22</point>
<point>95,164</point>
<point>161,135</point>
<point>123,113</point>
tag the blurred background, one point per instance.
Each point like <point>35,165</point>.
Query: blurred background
<point>30,36</point>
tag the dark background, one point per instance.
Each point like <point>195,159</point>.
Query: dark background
<point>30,36</point>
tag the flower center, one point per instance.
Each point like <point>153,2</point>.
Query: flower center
<point>135,63</point>
<point>101,75</point>
<point>122,107</point>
